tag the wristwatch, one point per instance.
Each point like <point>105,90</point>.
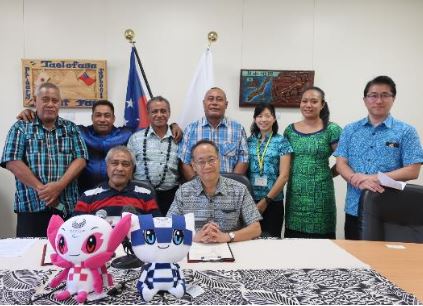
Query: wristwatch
<point>268,200</point>
<point>232,236</point>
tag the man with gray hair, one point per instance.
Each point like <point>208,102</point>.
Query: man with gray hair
<point>157,154</point>
<point>223,208</point>
<point>118,191</point>
<point>45,155</point>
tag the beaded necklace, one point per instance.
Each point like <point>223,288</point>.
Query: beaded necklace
<point>144,153</point>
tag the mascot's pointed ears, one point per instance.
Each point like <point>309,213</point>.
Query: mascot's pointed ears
<point>53,226</point>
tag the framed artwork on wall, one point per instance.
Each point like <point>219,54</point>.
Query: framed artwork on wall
<point>81,82</point>
<point>281,88</point>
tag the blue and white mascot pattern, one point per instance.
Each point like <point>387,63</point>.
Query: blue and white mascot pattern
<point>160,242</point>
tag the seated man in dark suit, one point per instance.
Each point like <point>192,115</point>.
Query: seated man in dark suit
<point>118,191</point>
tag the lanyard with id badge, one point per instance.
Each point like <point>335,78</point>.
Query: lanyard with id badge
<point>261,180</point>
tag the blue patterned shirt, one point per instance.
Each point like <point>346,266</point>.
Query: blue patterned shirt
<point>391,145</point>
<point>278,146</point>
<point>98,145</point>
<point>48,155</point>
<point>229,136</point>
<point>156,153</point>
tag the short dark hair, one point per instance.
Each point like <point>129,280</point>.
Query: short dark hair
<point>216,88</point>
<point>257,111</point>
<point>381,80</point>
<point>324,112</point>
<point>103,102</point>
<point>158,99</point>
<point>201,142</point>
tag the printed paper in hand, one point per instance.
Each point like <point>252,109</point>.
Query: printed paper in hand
<point>388,182</point>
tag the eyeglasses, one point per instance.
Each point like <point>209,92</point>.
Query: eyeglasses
<point>202,163</point>
<point>382,96</point>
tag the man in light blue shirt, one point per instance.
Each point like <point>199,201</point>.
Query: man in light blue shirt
<point>156,153</point>
<point>228,135</point>
<point>377,143</point>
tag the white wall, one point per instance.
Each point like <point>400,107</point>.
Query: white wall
<point>346,42</point>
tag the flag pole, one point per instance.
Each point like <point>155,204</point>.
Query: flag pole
<point>129,35</point>
<point>212,37</point>
<point>202,81</point>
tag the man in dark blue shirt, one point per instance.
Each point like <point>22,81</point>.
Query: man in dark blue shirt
<point>100,137</point>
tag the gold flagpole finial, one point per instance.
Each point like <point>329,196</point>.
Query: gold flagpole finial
<point>130,35</point>
<point>212,37</point>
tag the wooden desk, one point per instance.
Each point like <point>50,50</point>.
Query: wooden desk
<point>403,267</point>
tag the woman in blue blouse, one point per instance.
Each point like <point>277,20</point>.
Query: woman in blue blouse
<point>268,171</point>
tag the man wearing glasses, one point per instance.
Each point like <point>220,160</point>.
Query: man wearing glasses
<point>377,143</point>
<point>224,209</point>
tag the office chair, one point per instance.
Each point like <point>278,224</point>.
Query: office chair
<point>240,178</point>
<point>393,215</point>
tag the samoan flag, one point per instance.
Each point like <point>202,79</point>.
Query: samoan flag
<point>86,79</point>
<point>136,101</point>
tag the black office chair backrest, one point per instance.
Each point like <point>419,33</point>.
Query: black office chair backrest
<point>146,185</point>
<point>240,178</point>
<point>393,215</point>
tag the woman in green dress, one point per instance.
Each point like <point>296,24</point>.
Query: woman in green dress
<point>310,196</point>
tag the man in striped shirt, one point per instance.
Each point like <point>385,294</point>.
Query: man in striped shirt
<point>118,192</point>
<point>45,155</point>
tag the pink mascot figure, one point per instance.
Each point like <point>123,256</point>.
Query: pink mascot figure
<point>83,245</point>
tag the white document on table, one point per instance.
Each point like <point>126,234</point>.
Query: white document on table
<point>389,182</point>
<point>15,247</point>
<point>210,252</point>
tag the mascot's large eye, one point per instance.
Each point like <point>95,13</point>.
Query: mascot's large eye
<point>92,243</point>
<point>61,245</point>
<point>178,237</point>
<point>150,236</point>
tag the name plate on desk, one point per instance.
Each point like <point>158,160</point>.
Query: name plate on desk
<point>45,256</point>
<point>208,252</point>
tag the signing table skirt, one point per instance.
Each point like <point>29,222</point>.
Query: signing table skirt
<point>264,272</point>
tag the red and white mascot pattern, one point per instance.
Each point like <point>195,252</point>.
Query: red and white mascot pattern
<point>83,245</point>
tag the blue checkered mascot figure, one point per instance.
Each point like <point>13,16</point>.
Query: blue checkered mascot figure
<point>160,243</point>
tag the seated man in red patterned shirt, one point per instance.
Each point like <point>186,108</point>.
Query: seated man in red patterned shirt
<point>118,191</point>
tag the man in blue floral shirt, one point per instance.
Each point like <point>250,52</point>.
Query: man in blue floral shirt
<point>377,143</point>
